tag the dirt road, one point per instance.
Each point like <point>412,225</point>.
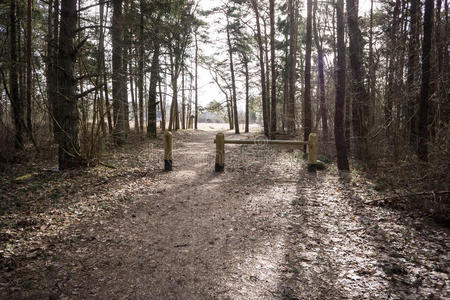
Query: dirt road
<point>266,228</point>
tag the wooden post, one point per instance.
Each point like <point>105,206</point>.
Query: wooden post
<point>220,152</point>
<point>312,149</point>
<point>168,151</point>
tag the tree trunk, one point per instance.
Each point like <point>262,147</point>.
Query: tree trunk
<point>268,82</point>
<point>133,98</point>
<point>392,86</point>
<point>16,100</point>
<point>141,68</point>
<point>413,69</point>
<point>183,100</point>
<point>307,122</point>
<point>118,78</point>
<point>154,78</point>
<point>163,104</point>
<point>290,115</point>
<point>372,71</point>
<point>360,97</point>
<point>320,65</point>
<point>29,67</point>
<point>101,69</point>
<point>67,116</point>
<point>422,149</point>
<point>247,91</point>
<point>273,101</point>
<point>233,81</point>
<point>52,77</point>
<point>440,36</point>
<point>196,82</point>
<point>348,112</point>
<point>49,63</point>
<point>173,120</point>
<point>285,82</point>
<point>339,133</point>
<point>262,71</point>
<point>126,46</point>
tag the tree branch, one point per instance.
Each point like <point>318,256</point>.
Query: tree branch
<point>93,5</point>
<point>85,93</point>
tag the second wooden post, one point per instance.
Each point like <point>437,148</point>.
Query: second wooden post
<point>168,151</point>
<point>312,149</point>
<point>220,152</point>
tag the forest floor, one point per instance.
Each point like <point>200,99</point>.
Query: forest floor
<point>266,228</point>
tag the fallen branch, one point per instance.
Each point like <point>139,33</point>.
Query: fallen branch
<point>429,193</point>
<point>106,165</point>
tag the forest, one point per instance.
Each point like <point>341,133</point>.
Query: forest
<point>336,184</point>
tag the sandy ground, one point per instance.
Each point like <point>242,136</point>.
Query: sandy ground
<point>266,228</point>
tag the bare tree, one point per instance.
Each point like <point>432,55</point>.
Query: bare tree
<point>273,100</point>
<point>339,133</point>
<point>422,149</point>
<point>16,100</point>
<point>264,100</point>
<point>290,115</point>
<point>66,109</point>
<point>360,107</point>
<point>320,66</point>
<point>307,122</point>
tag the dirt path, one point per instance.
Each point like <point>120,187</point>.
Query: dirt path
<point>264,229</point>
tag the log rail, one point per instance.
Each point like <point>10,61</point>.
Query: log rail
<point>220,142</point>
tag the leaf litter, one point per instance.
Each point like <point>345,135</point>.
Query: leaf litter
<point>264,229</point>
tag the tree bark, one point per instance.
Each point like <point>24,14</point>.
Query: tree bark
<point>52,76</point>
<point>196,82</point>
<point>101,69</point>
<point>29,66</point>
<point>320,66</point>
<point>154,78</point>
<point>183,99</point>
<point>392,86</point>
<point>422,149</point>
<point>16,100</point>
<point>339,133</point>
<point>163,103</point>
<point>360,97</point>
<point>233,80</point>
<point>67,116</point>
<point>290,115</point>
<point>262,71</point>
<point>134,99</point>
<point>307,122</point>
<point>273,101</point>
<point>413,69</point>
<point>49,62</point>
<point>126,47</point>
<point>141,67</point>
<point>118,78</point>
<point>247,91</point>
<point>372,71</point>
<point>268,82</point>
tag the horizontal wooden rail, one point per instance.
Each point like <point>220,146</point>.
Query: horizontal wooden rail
<point>220,142</point>
<point>265,142</point>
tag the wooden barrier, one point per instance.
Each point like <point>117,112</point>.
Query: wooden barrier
<point>168,151</point>
<point>220,148</point>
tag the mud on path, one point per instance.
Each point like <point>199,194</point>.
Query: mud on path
<point>266,228</point>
